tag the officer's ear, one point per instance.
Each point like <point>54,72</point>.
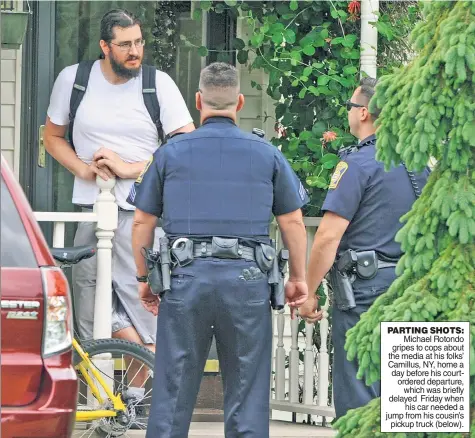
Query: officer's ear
<point>240,102</point>
<point>199,105</point>
<point>365,116</point>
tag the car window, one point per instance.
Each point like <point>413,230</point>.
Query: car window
<point>16,250</point>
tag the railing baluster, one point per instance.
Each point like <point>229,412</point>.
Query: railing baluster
<point>107,218</point>
<point>58,235</point>
<point>308,383</point>
<point>308,365</point>
<point>294,363</point>
<point>323,357</point>
<point>280,358</point>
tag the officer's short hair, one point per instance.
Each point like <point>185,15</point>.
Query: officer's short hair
<point>116,18</point>
<point>219,85</point>
<point>367,86</point>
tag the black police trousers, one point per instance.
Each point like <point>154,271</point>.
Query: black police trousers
<point>350,392</point>
<point>211,297</point>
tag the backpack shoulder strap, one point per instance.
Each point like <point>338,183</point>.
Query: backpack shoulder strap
<point>78,91</point>
<point>149,91</point>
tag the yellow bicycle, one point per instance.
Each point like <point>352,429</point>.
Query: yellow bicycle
<point>115,376</point>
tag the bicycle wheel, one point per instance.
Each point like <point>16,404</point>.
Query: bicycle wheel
<point>130,373</point>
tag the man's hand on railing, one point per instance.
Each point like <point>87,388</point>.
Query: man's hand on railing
<point>90,172</point>
<point>150,301</point>
<point>105,158</point>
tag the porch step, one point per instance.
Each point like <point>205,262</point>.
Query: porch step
<point>208,415</point>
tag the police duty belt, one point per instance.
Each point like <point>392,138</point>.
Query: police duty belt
<point>219,247</point>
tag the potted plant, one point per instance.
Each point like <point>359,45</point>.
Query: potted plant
<point>14,24</point>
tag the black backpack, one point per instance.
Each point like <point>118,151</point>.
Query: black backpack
<point>149,93</point>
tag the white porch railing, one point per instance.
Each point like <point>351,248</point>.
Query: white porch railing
<point>295,381</point>
<point>293,385</point>
<point>105,214</point>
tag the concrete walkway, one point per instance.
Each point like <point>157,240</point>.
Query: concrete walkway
<point>278,429</point>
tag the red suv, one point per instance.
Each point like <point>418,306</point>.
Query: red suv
<point>38,382</point>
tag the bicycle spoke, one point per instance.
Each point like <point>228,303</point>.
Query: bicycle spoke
<point>142,426</point>
<point>146,380</point>
<point>130,383</point>
<point>126,371</point>
<point>90,431</point>
<point>146,394</point>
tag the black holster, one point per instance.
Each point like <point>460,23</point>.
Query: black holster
<point>158,265</point>
<point>342,289</point>
<point>154,271</point>
<point>341,279</point>
<point>276,275</point>
<point>351,265</point>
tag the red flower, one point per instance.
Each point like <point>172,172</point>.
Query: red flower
<point>354,7</point>
<point>329,136</point>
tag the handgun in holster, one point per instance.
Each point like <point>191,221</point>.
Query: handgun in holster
<point>341,279</point>
<point>276,277</point>
<point>158,265</point>
<point>154,275</point>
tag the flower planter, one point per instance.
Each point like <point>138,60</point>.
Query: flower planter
<point>14,24</point>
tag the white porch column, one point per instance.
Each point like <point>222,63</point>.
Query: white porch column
<point>107,218</point>
<point>369,37</point>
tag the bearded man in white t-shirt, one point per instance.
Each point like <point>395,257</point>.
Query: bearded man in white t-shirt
<point>113,135</point>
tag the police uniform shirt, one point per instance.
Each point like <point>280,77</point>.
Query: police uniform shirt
<point>218,180</point>
<point>371,199</point>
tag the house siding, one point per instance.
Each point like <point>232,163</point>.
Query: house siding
<point>10,100</point>
<point>257,102</point>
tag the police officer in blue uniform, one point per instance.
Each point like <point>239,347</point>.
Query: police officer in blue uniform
<point>356,241</point>
<point>215,191</point>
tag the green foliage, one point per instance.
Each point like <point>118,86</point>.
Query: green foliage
<point>310,50</point>
<point>428,109</point>
<point>395,22</point>
<point>311,54</point>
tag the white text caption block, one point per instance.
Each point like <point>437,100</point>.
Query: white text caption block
<point>425,377</point>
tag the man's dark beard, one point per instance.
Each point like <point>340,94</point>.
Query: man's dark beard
<point>122,71</point>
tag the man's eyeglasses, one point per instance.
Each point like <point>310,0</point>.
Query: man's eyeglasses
<point>126,46</point>
<point>350,105</point>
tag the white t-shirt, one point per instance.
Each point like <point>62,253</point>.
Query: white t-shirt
<point>115,117</point>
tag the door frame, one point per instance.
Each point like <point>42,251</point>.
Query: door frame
<point>37,83</point>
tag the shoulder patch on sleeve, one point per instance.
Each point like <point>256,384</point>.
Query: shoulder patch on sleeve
<point>336,177</point>
<point>140,177</point>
